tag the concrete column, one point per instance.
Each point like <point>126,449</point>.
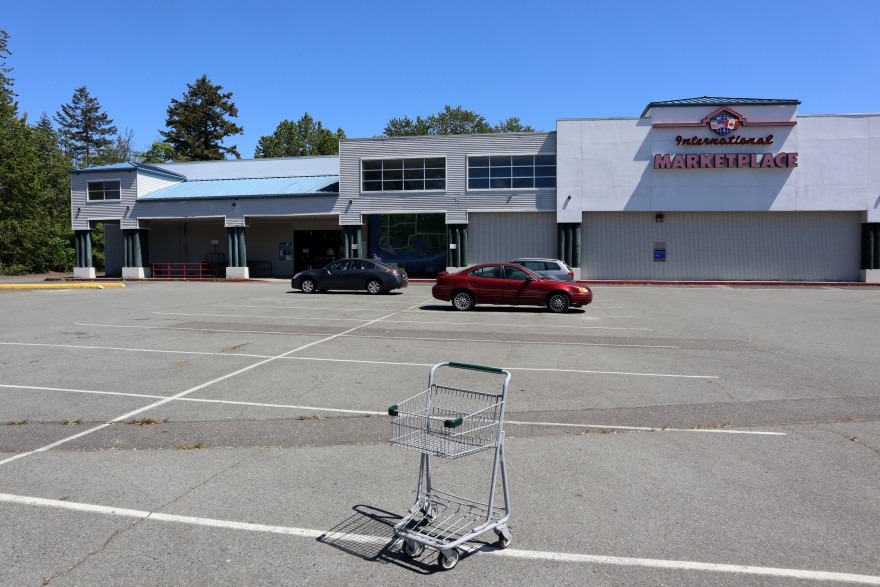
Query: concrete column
<point>133,265</point>
<point>870,266</point>
<point>84,268</point>
<point>237,253</point>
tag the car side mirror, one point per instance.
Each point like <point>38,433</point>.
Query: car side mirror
<point>529,278</point>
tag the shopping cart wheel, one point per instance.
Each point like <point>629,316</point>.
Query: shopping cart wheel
<point>449,559</point>
<point>412,549</point>
<point>504,538</point>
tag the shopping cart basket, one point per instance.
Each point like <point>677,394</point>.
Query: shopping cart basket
<point>450,422</point>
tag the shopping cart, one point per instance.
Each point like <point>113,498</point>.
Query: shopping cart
<point>449,422</point>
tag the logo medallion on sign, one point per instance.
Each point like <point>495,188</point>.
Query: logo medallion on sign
<point>724,123</point>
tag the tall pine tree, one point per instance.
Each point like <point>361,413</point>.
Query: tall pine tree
<point>84,129</point>
<point>304,137</point>
<point>198,123</point>
<point>35,233</point>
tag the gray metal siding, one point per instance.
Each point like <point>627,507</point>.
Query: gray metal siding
<point>234,211</point>
<point>799,246</point>
<point>502,236</point>
<point>82,211</point>
<point>456,199</point>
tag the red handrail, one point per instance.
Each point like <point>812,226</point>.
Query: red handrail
<point>184,270</point>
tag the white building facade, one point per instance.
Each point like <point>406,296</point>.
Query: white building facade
<point>695,189</point>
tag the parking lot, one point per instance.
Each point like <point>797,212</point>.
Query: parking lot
<point>236,433</point>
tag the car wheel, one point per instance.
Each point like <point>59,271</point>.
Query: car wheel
<point>374,287</point>
<point>463,300</point>
<point>308,286</point>
<point>558,302</point>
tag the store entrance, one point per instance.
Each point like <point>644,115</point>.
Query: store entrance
<point>315,248</point>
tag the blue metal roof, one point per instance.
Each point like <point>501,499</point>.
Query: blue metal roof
<point>128,166</point>
<point>715,101</point>
<point>243,188</point>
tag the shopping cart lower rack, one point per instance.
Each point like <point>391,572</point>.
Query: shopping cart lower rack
<point>450,422</point>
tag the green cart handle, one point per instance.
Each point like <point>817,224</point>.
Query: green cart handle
<point>392,410</point>
<point>476,367</point>
<point>453,423</point>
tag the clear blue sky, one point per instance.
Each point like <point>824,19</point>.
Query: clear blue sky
<point>357,64</point>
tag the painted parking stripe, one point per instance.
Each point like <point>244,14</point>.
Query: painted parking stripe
<point>558,557</point>
<point>395,321</point>
<point>373,413</point>
<point>434,339</point>
<point>165,400</point>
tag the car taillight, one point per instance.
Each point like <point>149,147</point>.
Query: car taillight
<point>571,273</point>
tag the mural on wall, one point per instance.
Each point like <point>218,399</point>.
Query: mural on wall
<point>416,242</point>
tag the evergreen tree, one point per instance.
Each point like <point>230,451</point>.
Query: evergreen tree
<point>197,124</point>
<point>35,233</point>
<point>118,150</point>
<point>301,138</point>
<point>84,128</point>
<point>158,152</point>
<point>451,121</point>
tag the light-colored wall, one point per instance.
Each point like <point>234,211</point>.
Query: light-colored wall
<point>456,199</point>
<point>502,236</point>
<point>148,183</point>
<point>82,211</point>
<point>607,165</point>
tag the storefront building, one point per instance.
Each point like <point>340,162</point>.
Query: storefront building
<point>695,189</point>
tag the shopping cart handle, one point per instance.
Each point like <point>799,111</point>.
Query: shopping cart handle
<point>452,423</point>
<point>392,410</point>
<point>475,367</point>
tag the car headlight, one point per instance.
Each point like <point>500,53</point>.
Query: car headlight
<point>582,290</point>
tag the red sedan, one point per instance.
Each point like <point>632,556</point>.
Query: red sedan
<point>506,283</point>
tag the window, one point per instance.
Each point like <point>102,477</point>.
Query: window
<point>395,175</point>
<point>499,172</point>
<point>339,266</point>
<point>517,274</point>
<point>493,271</point>
<point>103,190</point>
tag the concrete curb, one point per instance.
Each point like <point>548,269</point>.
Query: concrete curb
<point>59,285</point>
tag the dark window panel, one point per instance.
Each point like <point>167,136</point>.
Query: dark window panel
<point>479,172</point>
<point>545,171</point>
<point>524,160</point>
<point>372,175</point>
<point>371,165</point>
<point>435,174</point>
<point>436,163</point>
<point>499,161</point>
<point>545,159</point>
<point>435,184</point>
<point>389,174</point>
<point>523,171</point>
<point>372,186</point>
<point>414,173</point>
<point>478,184</point>
<point>391,186</point>
<point>413,163</point>
<point>522,182</point>
<point>545,182</point>
<point>414,185</point>
<point>500,172</point>
<point>478,162</point>
<point>392,164</point>
<point>500,183</point>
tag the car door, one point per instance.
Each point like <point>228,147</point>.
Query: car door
<point>487,283</point>
<point>520,288</point>
<point>356,276</point>
<point>334,275</point>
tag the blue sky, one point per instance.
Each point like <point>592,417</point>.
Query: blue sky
<point>355,65</point>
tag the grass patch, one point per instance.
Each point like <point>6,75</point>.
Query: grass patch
<point>147,421</point>
<point>76,422</point>
<point>17,422</point>
<point>195,446</point>
<point>710,426</point>
<point>310,417</point>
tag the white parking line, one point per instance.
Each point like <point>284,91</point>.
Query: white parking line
<point>435,339</point>
<point>483,324</point>
<point>559,557</point>
<point>374,413</point>
<point>184,393</point>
